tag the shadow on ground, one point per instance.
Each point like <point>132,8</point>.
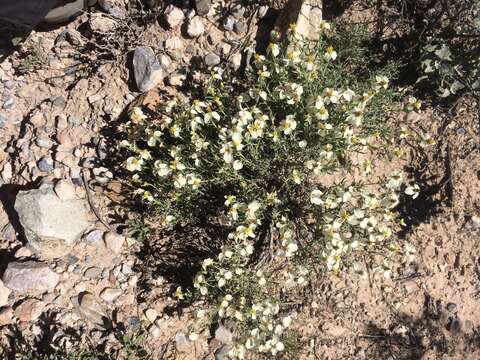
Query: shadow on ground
<point>438,332</point>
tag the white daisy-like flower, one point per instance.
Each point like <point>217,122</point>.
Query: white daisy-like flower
<point>316,197</point>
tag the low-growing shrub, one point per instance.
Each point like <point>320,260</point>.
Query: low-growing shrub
<point>285,160</point>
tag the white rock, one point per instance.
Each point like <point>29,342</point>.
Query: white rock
<point>195,27</point>
<point>110,294</point>
<point>114,242</point>
<point>173,16</point>
<point>23,252</point>
<point>4,294</point>
<point>29,277</point>
<point>51,225</point>
<point>155,331</point>
<point>236,60</point>
<point>65,190</point>
<point>223,335</point>
<point>151,315</point>
<point>176,79</point>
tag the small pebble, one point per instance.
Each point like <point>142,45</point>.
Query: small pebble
<point>46,164</point>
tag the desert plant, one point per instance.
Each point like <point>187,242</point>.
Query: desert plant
<point>285,160</point>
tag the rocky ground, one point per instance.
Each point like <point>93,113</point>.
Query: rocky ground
<point>72,273</point>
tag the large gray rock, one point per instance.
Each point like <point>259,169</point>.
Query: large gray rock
<point>51,225</point>
<point>146,68</point>
<point>32,12</point>
<point>29,277</point>
<point>65,12</point>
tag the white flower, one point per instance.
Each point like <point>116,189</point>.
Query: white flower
<point>382,81</point>
<point>237,165</point>
<point>252,208</point>
<point>288,125</point>
<point>162,168</point>
<point>274,49</point>
<point>291,249</point>
<point>413,191</point>
<point>330,54</point>
<point>302,144</point>
<point>137,115</point>
<point>324,25</point>
<point>330,96</point>
<point>348,95</point>
<point>180,181</point>
<point>316,197</point>
<point>207,262</point>
<point>134,164</point>
<point>286,321</point>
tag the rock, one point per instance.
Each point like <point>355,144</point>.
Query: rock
<point>451,307</point>
<point>114,242</point>
<point>262,11</point>
<point>65,190</point>
<point>212,59</point>
<point>237,10</point>
<point>93,273</point>
<point>110,294</point>
<point>174,47</point>
<point>29,277</point>
<point>165,61</point>
<point>94,237</point>
<point>91,310</point>
<point>23,252</point>
<point>222,353</point>
<point>306,14</point>
<point>146,68</point>
<point>66,12</point>
<point>102,24</point>
<point>151,315</point>
<point>3,121</point>
<point>154,331</point>
<point>224,48</point>
<point>195,27</point>
<point>173,16</point>
<point>59,101</point>
<point>4,294</point>
<point>223,335</point>
<point>46,164</point>
<point>236,61</point>
<point>44,143</point>
<point>240,27</point>
<point>133,323</point>
<point>182,344</point>
<point>176,79</point>
<point>74,121</point>
<point>29,310</point>
<point>228,23</point>
<point>8,103</point>
<point>113,8</point>
<point>72,36</point>
<point>203,7</point>
<point>61,122</point>
<point>6,316</point>
<point>51,225</point>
